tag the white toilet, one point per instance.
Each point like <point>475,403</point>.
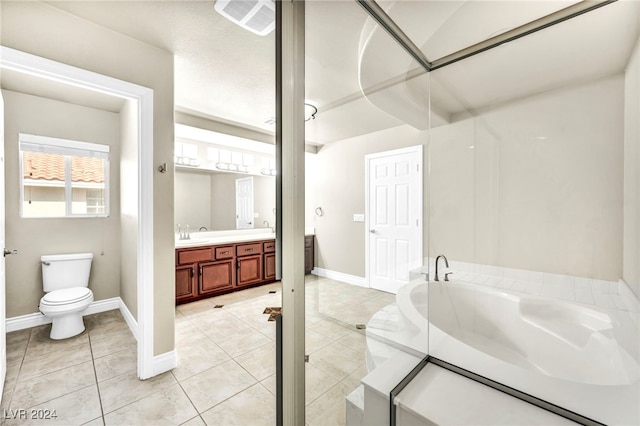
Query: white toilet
<point>65,280</point>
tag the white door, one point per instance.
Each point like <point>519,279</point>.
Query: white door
<point>244,203</point>
<point>394,219</point>
<point>3,297</point>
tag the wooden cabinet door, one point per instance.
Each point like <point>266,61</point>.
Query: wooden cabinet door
<point>186,282</point>
<point>269,267</point>
<point>249,270</point>
<point>215,276</point>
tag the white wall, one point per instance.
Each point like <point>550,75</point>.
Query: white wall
<point>631,258</point>
<point>33,237</point>
<point>540,190</point>
<point>129,206</point>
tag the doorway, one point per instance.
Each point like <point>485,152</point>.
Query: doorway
<point>141,99</point>
<point>244,203</point>
<point>393,203</point>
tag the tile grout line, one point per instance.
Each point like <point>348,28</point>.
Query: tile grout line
<point>95,374</point>
<point>189,398</point>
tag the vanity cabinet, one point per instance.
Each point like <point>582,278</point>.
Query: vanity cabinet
<point>309,254</point>
<point>249,263</point>
<point>212,270</point>
<point>186,284</point>
<point>269,260</point>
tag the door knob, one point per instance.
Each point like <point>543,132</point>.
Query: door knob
<point>8,252</point>
<point>373,231</point>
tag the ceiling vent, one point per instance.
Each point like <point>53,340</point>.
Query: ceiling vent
<point>257,16</point>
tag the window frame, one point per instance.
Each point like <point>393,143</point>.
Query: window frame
<point>68,148</point>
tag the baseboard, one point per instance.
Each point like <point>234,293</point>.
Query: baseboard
<point>128,317</point>
<point>165,362</point>
<point>36,319</point>
<point>340,276</point>
<point>103,305</point>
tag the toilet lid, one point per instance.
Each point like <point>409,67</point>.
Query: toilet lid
<point>67,295</point>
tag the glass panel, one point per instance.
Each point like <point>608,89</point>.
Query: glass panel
<point>364,215</point>
<point>43,184</point>
<point>527,203</point>
<point>88,185</point>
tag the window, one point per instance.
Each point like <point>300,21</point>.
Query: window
<point>63,178</point>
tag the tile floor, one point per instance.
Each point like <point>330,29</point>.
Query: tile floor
<point>226,364</point>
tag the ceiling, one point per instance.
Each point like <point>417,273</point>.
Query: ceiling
<point>227,73</point>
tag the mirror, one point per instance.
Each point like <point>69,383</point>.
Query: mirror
<point>207,199</point>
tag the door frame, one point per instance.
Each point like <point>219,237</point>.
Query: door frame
<point>62,73</point>
<point>416,149</point>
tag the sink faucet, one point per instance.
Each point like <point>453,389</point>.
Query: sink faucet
<point>184,234</point>
<point>446,262</point>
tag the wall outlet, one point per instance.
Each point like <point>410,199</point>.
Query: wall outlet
<point>359,217</point>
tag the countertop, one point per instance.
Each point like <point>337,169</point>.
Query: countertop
<point>227,237</point>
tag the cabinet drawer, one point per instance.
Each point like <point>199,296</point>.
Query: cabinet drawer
<point>195,255</point>
<point>247,249</point>
<point>224,252</point>
<point>269,246</point>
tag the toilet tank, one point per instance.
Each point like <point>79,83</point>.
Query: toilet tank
<point>61,271</point>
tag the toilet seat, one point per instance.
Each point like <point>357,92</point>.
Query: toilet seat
<point>66,296</point>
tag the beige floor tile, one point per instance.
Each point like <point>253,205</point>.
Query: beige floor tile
<point>196,421</point>
<point>329,329</point>
<point>328,409</point>
<point>20,336</point>
<point>112,343</point>
<point>220,327</point>
<point>53,385</point>
<point>255,406</point>
<point>73,408</point>
<point>99,421</point>
<point>167,406</point>
<point>260,362</point>
<point>315,341</point>
<point>104,330</point>
<point>193,308</point>
<point>11,377</point>
<point>116,364</point>
<point>216,384</point>
<point>337,360</point>
<point>270,384</point>
<point>354,340</point>
<point>188,336</point>
<point>317,382</point>
<point>353,380</point>
<point>198,356</point>
<point>243,341</point>
<point>34,366</point>
<point>41,344</point>
<point>123,390</point>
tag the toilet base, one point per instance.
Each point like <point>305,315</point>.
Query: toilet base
<point>66,326</point>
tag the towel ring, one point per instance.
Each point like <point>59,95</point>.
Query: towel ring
<point>319,211</point>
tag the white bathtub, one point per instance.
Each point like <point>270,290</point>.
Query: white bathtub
<point>582,358</point>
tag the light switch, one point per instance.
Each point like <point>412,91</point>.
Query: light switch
<point>358,217</point>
